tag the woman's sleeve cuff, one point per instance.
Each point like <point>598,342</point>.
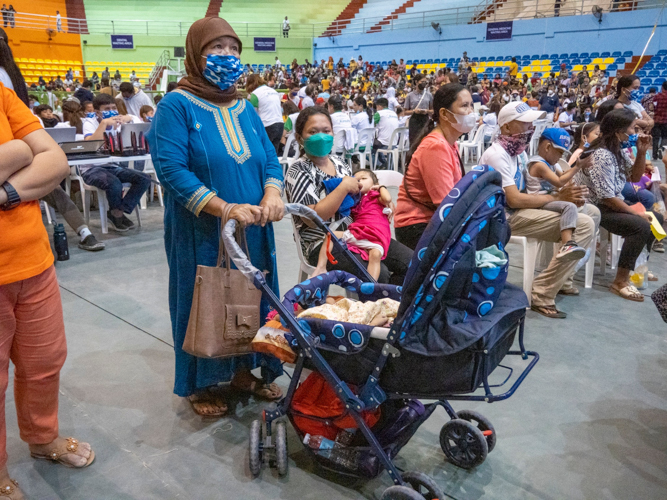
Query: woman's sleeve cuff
<point>199,199</point>
<point>275,183</point>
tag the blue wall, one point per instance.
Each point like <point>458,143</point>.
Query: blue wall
<point>619,31</point>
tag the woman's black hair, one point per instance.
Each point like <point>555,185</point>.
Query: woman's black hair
<point>443,98</point>
<point>617,120</point>
<point>305,114</point>
<point>73,113</point>
<point>583,130</point>
<point>7,62</point>
<point>605,108</point>
<point>624,82</point>
<point>360,101</point>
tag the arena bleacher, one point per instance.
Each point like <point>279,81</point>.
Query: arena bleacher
<point>587,422</point>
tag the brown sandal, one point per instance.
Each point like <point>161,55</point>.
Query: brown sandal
<point>8,490</point>
<point>255,386</point>
<point>211,399</point>
<point>70,446</point>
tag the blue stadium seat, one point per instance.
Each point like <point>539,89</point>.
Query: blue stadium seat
<point>654,73</point>
<point>648,66</point>
<point>646,81</point>
<point>641,73</point>
<point>574,55</point>
<point>620,60</point>
<point>594,55</point>
<point>605,54</point>
<point>564,56</point>
<point>587,61</point>
<point>409,61</point>
<point>482,59</point>
<point>507,58</point>
<point>451,60</point>
<point>422,61</point>
<point>430,61</point>
<point>659,81</point>
<point>584,55</point>
<point>544,56</point>
<point>627,53</point>
<point>261,67</point>
<point>553,56</point>
<point>662,52</point>
<point>437,61</point>
<point>664,73</point>
<point>612,67</point>
<point>616,54</point>
<point>536,56</point>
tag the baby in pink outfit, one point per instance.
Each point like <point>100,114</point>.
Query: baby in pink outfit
<point>369,234</point>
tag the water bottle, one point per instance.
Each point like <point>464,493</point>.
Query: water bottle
<point>401,420</point>
<point>337,453</point>
<point>60,242</point>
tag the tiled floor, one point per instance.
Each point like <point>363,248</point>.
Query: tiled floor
<point>590,422</point>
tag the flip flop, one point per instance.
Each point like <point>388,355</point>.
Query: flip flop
<point>555,315</point>
<point>572,291</point>
<point>652,277</point>
<point>628,292</point>
<point>209,398</point>
<point>69,446</point>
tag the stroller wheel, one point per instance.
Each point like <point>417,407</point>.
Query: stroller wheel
<point>255,457</point>
<point>401,493</point>
<point>463,443</point>
<point>423,485</point>
<point>281,448</point>
<point>482,423</point>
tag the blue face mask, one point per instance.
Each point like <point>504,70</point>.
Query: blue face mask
<point>92,114</point>
<point>630,143</point>
<point>636,95</point>
<point>318,144</point>
<point>222,71</point>
<point>586,145</point>
<point>149,118</point>
<point>109,113</point>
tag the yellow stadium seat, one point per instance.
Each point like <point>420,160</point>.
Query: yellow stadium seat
<point>545,62</point>
<point>598,60</point>
<point>578,67</point>
<point>609,60</point>
<point>40,60</point>
<point>603,66</point>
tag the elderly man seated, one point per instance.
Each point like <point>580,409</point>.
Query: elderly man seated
<point>524,211</point>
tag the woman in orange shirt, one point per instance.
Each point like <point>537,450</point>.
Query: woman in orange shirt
<point>433,165</point>
<point>32,330</point>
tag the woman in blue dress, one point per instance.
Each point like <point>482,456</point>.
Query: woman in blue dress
<point>209,148</point>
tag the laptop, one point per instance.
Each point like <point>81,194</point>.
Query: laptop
<point>83,150</point>
<point>136,131</point>
<point>62,134</point>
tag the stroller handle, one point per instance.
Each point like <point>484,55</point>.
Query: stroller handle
<point>240,259</point>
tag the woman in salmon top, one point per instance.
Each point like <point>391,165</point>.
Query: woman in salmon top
<point>433,165</point>
<point>32,330</point>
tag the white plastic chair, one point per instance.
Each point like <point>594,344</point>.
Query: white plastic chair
<point>339,143</point>
<point>365,141</point>
<point>616,245</point>
<point>529,246</point>
<point>389,178</point>
<point>150,170</point>
<point>393,150</point>
<point>286,160</point>
<point>305,269</point>
<point>47,211</point>
<point>101,200</point>
<point>540,125</point>
<point>476,145</point>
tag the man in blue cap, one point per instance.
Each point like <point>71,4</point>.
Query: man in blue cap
<point>543,177</point>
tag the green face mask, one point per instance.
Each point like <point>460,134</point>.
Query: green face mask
<point>318,144</point>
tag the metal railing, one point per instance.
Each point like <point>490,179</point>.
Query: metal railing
<point>161,64</point>
<point>487,11</point>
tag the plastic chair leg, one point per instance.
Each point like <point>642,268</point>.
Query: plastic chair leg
<point>86,205</point>
<point>104,207</point>
<point>604,246</point>
<point>590,265</point>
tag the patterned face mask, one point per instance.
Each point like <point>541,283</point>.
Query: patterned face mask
<point>222,71</point>
<point>515,144</point>
<point>636,95</point>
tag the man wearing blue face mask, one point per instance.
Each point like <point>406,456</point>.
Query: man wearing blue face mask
<point>111,177</point>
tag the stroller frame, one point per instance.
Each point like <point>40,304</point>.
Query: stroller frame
<point>371,395</point>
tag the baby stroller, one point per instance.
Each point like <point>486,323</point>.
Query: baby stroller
<point>455,324</point>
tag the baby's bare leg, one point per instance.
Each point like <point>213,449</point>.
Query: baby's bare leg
<point>374,259</point>
<point>323,258</point>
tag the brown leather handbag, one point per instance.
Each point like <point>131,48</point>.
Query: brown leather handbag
<point>224,317</point>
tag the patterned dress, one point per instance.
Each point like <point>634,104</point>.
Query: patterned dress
<point>199,150</point>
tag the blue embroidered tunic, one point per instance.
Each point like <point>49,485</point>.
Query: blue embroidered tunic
<point>199,150</point>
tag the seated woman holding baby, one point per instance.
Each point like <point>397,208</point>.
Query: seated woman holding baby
<point>355,206</point>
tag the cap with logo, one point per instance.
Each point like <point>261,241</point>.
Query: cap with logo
<point>519,111</point>
<point>558,137</point>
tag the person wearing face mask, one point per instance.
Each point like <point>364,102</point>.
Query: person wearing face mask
<point>433,165</point>
<point>210,149</point>
<point>524,214</point>
<point>110,177</point>
<point>583,137</point>
<point>629,94</point>
<point>267,103</point>
<point>146,114</point>
<point>363,115</point>
<point>549,103</point>
<point>307,183</point>
<point>606,178</point>
<point>417,105</point>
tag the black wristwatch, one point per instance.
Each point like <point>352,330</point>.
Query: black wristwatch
<point>13,198</point>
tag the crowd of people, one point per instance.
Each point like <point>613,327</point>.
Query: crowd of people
<point>589,167</point>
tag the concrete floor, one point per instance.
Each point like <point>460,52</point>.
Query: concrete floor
<point>590,422</point>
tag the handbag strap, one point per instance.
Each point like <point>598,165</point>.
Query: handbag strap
<point>222,253</point>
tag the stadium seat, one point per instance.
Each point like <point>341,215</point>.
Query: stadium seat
<point>574,55</point>
<point>627,53</point>
<point>620,60</point>
<point>584,55</point>
<point>564,56</point>
<point>594,55</point>
<point>662,52</point>
<point>654,73</point>
<point>616,54</point>
<point>553,56</point>
<point>648,66</point>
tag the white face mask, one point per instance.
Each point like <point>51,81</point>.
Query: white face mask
<point>550,93</point>
<point>464,123</point>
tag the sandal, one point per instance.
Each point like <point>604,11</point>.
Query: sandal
<point>628,292</point>
<point>652,277</point>
<point>250,383</point>
<point>572,291</point>
<point>549,311</point>
<point>9,489</point>
<point>69,446</point>
<point>199,401</point>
